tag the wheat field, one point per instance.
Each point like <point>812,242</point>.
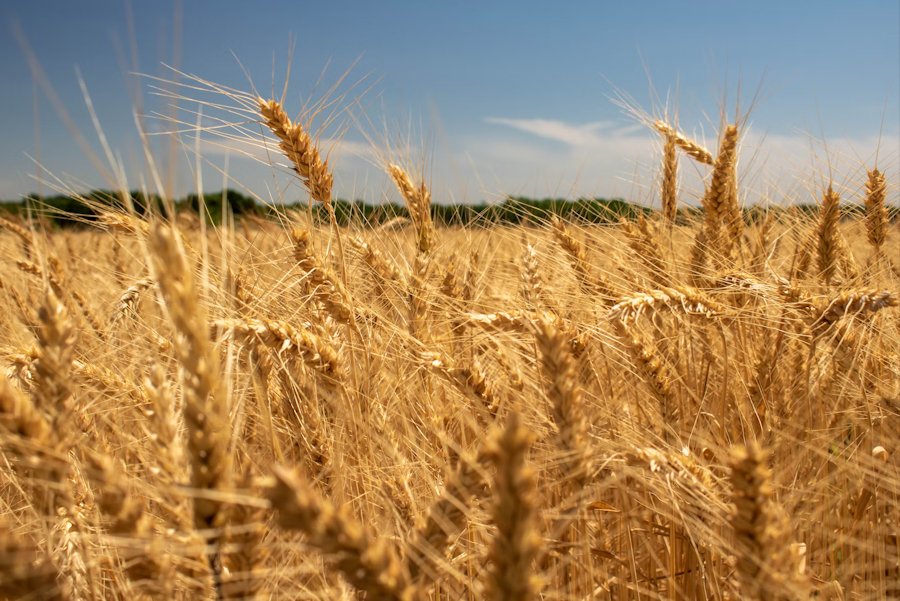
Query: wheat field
<point>288,409</point>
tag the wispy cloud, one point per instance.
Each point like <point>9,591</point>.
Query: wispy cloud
<point>596,158</point>
<point>572,134</point>
<point>622,159</point>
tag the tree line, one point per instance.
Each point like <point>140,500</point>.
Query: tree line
<point>72,210</point>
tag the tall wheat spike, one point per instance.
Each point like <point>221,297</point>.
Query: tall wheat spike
<point>757,529</point>
<point>565,393</point>
<point>418,201</point>
<point>720,191</point>
<point>828,236</point>
<point>297,145</point>
<point>205,404</point>
<point>591,283</point>
<point>876,210</point>
<point>669,181</point>
<point>516,543</point>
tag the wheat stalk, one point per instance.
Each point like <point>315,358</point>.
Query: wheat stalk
<point>418,201</point>
<point>669,182</point>
<point>876,210</point>
<point>516,542</point>
<point>282,337</point>
<point>828,236</point>
<point>205,405</point>
<point>300,150</point>
<point>590,282</point>
<point>719,195</point>
<point>691,148</point>
<point>368,564</point>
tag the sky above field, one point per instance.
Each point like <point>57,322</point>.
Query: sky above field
<point>490,98</point>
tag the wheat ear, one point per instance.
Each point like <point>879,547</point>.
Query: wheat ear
<point>757,528</point>
<point>20,417</point>
<point>829,243</point>
<point>52,393</point>
<point>857,303</point>
<point>145,562</point>
<point>298,147</point>
<point>205,405</point>
<point>418,201</point>
<point>385,273</point>
<point>516,543</point>
<point>652,367</point>
<point>282,337</point>
<point>52,369</point>
<point>301,151</point>
<point>368,564</point>
<point>677,299</point>
<point>29,442</point>
<point>532,282</point>
<point>591,283</point>
<point>167,423</point>
<point>719,194</point>
<point>24,234</point>
<point>565,394</point>
<point>128,300</point>
<point>245,552</point>
<point>324,285</point>
<point>669,181</point>
<point>876,210</point>
<point>691,148</point>
<point>644,241</point>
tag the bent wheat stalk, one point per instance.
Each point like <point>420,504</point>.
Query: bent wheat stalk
<point>691,148</point>
<point>299,148</point>
<point>367,563</point>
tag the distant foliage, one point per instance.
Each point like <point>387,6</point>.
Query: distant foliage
<point>515,210</point>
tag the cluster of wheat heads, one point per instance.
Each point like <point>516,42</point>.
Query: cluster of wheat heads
<point>650,410</point>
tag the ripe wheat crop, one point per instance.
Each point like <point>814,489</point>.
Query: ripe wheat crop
<point>655,409</point>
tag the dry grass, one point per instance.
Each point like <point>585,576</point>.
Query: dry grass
<point>650,410</point>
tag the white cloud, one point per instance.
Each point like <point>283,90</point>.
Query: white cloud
<point>582,135</point>
<point>552,157</point>
<point>597,159</point>
<point>610,159</point>
<point>797,166</point>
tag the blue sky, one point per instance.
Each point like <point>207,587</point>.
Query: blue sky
<point>494,97</point>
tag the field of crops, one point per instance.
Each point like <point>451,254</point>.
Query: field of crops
<point>289,409</point>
